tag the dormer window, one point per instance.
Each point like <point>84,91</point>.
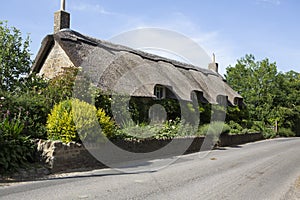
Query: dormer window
<point>238,101</point>
<point>222,100</point>
<point>160,91</point>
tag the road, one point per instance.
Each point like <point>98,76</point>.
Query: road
<point>261,170</point>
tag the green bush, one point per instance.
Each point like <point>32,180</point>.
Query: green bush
<point>260,126</point>
<point>214,128</point>
<point>246,131</point>
<point>16,150</point>
<point>170,129</point>
<point>107,125</point>
<point>286,132</point>
<point>167,130</point>
<point>70,117</point>
<point>132,131</point>
<point>61,86</point>
<point>235,128</point>
<point>32,109</point>
<point>175,128</point>
<point>60,124</point>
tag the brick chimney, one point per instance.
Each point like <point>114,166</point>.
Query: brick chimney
<point>61,18</point>
<point>214,66</point>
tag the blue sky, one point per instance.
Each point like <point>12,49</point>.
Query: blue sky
<point>230,29</point>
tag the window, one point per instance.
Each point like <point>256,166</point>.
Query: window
<point>198,96</point>
<point>238,101</point>
<point>160,92</point>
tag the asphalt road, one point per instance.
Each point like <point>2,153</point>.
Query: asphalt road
<point>262,170</point>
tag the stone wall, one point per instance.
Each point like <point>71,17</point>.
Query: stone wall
<point>230,140</point>
<point>58,156</point>
<point>56,61</point>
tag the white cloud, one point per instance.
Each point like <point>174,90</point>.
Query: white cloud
<point>273,2</point>
<point>83,7</point>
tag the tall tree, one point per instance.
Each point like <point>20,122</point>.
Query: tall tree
<point>15,59</point>
<point>270,96</point>
<point>255,81</point>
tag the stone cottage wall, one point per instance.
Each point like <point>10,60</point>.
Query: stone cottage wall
<point>56,61</point>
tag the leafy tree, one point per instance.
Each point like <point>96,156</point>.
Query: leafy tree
<point>15,59</point>
<point>288,101</point>
<point>256,82</point>
<point>270,96</point>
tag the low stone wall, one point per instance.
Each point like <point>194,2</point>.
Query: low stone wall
<point>230,140</point>
<point>58,156</point>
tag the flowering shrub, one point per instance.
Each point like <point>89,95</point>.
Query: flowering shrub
<point>31,108</point>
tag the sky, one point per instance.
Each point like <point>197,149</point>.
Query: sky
<point>229,28</point>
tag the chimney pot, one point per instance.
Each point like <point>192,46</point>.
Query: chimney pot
<point>63,5</point>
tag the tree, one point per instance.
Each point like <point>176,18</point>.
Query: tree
<point>256,82</point>
<point>270,96</point>
<point>288,100</point>
<point>20,91</point>
<point>15,59</point>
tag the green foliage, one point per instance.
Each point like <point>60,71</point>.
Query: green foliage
<point>32,109</point>
<point>256,82</point>
<point>205,113</point>
<point>286,132</point>
<point>61,86</point>
<point>268,132</point>
<point>214,128</point>
<point>70,117</point>
<point>172,107</point>
<point>14,58</point>
<point>23,109</point>
<point>20,92</point>
<point>60,123</point>
<point>168,130</point>
<point>16,150</point>
<point>235,128</point>
<point>103,101</point>
<point>70,83</point>
<point>132,131</point>
<point>107,125</point>
<point>11,128</point>
<point>271,97</point>
<point>135,108</point>
<point>175,128</point>
<point>237,114</point>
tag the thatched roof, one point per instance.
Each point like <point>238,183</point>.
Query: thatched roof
<point>121,69</point>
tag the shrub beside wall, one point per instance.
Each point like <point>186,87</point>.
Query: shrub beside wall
<point>70,116</point>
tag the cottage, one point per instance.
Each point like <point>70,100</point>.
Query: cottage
<point>124,70</point>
